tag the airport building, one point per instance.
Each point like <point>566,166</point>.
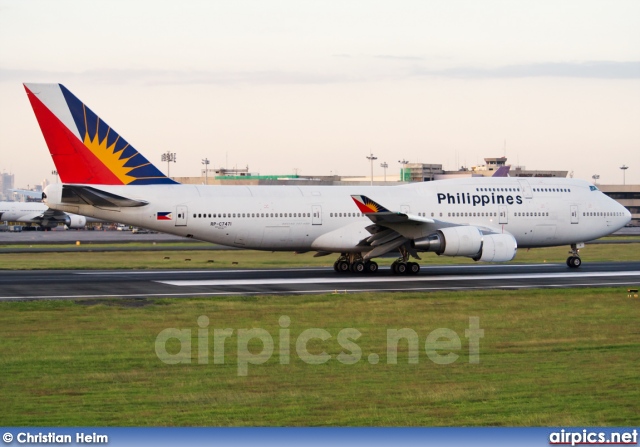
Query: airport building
<point>6,185</point>
<point>628,196</point>
<point>421,172</point>
<point>409,172</point>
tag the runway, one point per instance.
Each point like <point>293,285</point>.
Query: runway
<point>123,284</point>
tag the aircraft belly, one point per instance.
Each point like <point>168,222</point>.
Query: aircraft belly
<point>544,234</point>
<point>276,237</point>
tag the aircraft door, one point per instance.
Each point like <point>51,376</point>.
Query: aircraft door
<point>526,189</point>
<point>316,215</point>
<point>406,209</point>
<point>503,215</point>
<point>181,216</point>
<point>574,214</point>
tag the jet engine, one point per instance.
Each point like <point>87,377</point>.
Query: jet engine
<point>470,242</point>
<point>75,221</point>
<point>497,248</point>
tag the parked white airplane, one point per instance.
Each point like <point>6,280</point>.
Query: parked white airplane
<point>39,213</point>
<point>484,219</point>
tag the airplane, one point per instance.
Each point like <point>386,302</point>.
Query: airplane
<point>485,219</point>
<point>40,214</point>
<point>502,171</point>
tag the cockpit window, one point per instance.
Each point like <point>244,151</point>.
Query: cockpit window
<point>593,188</point>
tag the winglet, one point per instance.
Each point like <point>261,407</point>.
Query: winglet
<point>368,206</point>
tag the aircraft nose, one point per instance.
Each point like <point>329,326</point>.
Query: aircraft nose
<point>625,213</point>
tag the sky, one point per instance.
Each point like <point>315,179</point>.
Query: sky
<point>315,87</point>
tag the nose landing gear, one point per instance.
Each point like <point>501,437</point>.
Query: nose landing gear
<point>574,260</point>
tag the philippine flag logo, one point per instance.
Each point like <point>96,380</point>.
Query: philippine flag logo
<point>164,216</point>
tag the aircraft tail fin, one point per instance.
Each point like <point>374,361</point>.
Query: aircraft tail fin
<point>84,148</point>
<point>502,171</point>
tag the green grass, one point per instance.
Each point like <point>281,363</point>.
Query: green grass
<point>562,357</point>
<point>175,259</point>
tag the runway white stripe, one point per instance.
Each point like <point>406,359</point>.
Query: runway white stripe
<point>226,271</point>
<point>391,279</point>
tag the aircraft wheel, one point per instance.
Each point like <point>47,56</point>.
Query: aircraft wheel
<point>574,262</point>
<point>414,268</point>
<point>401,268</point>
<point>335,266</point>
<point>371,267</point>
<point>357,267</point>
<point>343,266</point>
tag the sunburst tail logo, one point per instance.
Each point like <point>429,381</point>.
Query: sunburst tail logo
<point>116,154</point>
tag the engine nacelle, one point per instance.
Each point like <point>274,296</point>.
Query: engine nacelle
<point>498,248</point>
<point>452,241</point>
<point>470,242</point>
<point>74,221</point>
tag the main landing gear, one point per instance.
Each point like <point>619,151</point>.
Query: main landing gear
<point>574,260</point>
<point>401,267</point>
<point>353,262</point>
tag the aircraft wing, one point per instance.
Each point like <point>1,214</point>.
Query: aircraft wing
<point>53,215</point>
<point>29,217</point>
<point>391,230</point>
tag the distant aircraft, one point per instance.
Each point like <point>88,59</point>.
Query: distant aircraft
<point>502,171</point>
<point>40,214</point>
<point>486,219</point>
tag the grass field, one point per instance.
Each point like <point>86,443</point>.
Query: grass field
<point>562,357</point>
<point>175,259</point>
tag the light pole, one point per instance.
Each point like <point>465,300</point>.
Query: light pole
<point>384,166</point>
<point>169,157</point>
<point>624,169</point>
<point>370,157</point>
<point>205,162</point>
<point>595,178</point>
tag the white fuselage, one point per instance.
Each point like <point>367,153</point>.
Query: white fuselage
<point>26,212</point>
<point>537,212</point>
<point>36,212</point>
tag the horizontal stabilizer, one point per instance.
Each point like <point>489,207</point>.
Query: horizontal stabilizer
<point>97,198</point>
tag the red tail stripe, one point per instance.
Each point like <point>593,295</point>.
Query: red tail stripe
<point>74,162</point>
